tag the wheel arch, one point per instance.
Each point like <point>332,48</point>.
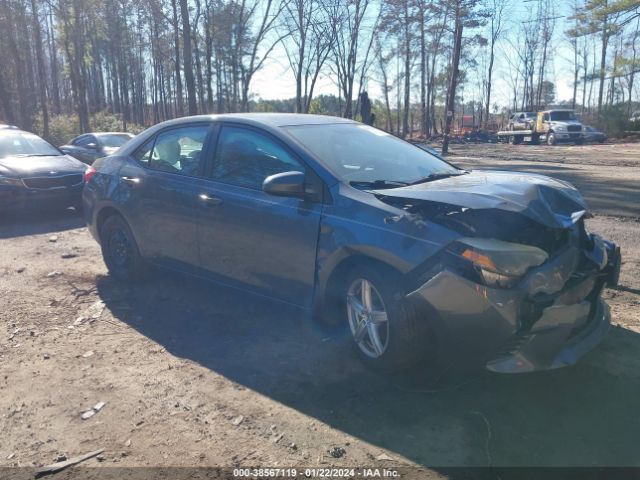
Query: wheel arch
<point>103,214</point>
<point>327,300</point>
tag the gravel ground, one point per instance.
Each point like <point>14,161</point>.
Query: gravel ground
<point>194,374</point>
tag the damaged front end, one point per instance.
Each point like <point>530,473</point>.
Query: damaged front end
<point>519,290</point>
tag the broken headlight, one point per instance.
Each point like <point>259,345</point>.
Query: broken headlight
<point>500,264</point>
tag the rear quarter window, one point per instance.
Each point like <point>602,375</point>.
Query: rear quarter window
<point>143,154</point>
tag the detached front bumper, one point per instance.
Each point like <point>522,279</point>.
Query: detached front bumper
<point>549,320</point>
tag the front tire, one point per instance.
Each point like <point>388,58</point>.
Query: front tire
<point>551,138</point>
<point>120,250</point>
<point>386,331</point>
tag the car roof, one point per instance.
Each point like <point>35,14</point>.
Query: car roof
<point>11,129</point>
<point>100,134</point>
<point>269,119</point>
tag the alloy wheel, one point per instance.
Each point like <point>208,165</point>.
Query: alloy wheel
<point>368,318</point>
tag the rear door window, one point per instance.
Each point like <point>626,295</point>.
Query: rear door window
<point>78,140</point>
<point>178,150</point>
<point>84,141</point>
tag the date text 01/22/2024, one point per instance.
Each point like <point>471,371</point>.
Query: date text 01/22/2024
<point>315,473</point>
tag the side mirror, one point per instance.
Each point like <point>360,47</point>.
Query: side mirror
<point>92,146</point>
<point>286,184</point>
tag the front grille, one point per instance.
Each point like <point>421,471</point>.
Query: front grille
<point>60,181</point>
<point>574,128</point>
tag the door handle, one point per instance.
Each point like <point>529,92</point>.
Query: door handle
<point>210,201</point>
<point>130,180</point>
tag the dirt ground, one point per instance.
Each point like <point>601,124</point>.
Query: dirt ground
<point>194,374</point>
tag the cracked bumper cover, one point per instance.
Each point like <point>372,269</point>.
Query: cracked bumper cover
<point>549,320</point>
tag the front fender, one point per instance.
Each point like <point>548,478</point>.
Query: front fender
<point>358,225</point>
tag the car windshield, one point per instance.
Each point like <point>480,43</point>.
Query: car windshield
<point>114,140</point>
<point>531,114</point>
<point>562,116</point>
<point>358,153</point>
<point>16,143</point>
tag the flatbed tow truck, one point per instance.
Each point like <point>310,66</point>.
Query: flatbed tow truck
<point>551,127</point>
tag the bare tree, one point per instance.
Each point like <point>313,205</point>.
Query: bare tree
<point>188,60</point>
<point>347,22</point>
<point>271,10</point>
<point>307,42</point>
<point>466,13</point>
<point>41,71</point>
<point>176,39</point>
<point>496,24</point>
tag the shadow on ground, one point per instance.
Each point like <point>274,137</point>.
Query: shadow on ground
<point>22,223</point>
<point>580,416</point>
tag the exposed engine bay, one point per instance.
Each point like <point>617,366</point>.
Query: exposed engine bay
<point>525,275</point>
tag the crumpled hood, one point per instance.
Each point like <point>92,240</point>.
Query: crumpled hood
<point>551,202</point>
<point>29,166</point>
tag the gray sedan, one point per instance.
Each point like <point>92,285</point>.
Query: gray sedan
<point>413,257</point>
<point>89,147</point>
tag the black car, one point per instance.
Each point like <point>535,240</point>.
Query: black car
<point>592,134</point>
<point>91,146</point>
<point>35,174</point>
<point>411,254</point>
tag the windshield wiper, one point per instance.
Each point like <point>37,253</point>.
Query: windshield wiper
<point>378,183</point>
<point>436,176</point>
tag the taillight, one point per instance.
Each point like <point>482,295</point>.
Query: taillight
<point>88,173</point>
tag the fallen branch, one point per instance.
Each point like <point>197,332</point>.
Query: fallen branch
<point>56,467</point>
<point>80,292</point>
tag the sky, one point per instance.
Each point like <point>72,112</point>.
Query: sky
<point>275,80</point>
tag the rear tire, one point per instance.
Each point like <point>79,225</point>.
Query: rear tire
<point>402,339</point>
<point>120,250</point>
